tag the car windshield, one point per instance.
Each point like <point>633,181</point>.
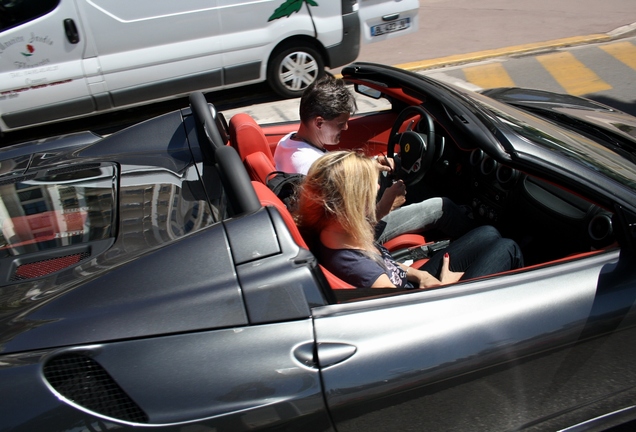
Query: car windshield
<point>58,208</point>
<point>585,151</point>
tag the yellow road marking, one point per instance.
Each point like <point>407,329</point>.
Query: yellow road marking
<point>623,51</point>
<point>507,51</point>
<point>571,74</point>
<point>488,76</point>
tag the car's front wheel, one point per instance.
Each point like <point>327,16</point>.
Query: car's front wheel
<point>294,68</point>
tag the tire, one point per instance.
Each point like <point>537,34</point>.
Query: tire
<point>294,68</point>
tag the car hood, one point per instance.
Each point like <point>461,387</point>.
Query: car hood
<point>575,108</point>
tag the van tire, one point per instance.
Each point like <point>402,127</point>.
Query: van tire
<point>294,68</point>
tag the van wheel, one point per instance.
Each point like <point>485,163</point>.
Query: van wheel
<point>293,69</point>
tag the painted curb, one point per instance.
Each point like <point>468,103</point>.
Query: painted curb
<point>501,52</point>
<point>458,59</point>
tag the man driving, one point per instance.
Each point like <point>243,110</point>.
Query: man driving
<point>325,109</point>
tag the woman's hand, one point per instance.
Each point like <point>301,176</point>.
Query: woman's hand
<point>425,280</point>
<point>420,278</point>
<point>446,275</point>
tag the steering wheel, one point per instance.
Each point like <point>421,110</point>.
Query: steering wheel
<point>416,150</point>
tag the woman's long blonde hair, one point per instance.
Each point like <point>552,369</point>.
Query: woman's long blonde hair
<point>340,186</point>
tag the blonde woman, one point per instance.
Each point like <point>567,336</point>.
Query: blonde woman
<point>337,205</point>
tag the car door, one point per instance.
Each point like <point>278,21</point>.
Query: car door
<point>42,77</point>
<point>387,19</point>
<point>496,354</point>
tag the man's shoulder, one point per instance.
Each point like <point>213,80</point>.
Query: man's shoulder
<point>295,156</point>
<point>288,142</point>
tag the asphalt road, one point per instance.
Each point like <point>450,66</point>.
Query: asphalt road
<point>456,27</point>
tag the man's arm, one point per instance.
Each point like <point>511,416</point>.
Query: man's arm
<point>393,197</point>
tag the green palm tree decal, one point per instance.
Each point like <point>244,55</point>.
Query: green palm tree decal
<point>289,7</point>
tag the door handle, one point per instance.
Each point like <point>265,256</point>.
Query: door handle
<point>71,31</point>
<point>330,354</point>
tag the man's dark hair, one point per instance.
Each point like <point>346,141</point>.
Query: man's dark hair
<point>328,98</point>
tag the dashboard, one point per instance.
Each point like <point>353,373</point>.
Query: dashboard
<point>547,221</point>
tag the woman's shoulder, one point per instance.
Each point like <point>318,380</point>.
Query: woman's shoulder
<point>342,252</point>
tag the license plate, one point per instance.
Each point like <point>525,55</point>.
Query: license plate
<point>390,27</point>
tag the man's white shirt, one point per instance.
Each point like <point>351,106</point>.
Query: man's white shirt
<point>293,156</point>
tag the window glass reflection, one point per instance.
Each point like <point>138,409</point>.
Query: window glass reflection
<point>58,209</point>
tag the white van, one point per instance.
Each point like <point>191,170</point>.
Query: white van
<point>62,59</point>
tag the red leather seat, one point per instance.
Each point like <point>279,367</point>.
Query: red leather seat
<point>258,166</point>
<point>247,137</point>
<point>268,198</point>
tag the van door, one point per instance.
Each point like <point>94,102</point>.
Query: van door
<point>250,31</point>
<point>269,40</point>
<point>41,73</point>
<point>150,50</point>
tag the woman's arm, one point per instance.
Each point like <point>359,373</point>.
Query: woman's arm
<point>383,282</point>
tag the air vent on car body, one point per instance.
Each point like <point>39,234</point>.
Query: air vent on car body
<point>17,179</point>
<point>84,382</point>
<point>47,266</point>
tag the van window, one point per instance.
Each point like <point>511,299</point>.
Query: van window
<point>16,12</point>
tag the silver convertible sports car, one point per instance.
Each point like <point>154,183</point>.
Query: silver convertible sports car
<point>150,280</point>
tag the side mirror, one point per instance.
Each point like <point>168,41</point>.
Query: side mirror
<point>368,91</point>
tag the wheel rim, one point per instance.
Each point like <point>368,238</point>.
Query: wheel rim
<point>298,70</point>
